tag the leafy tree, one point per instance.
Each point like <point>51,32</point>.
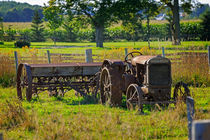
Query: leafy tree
<point>10,33</point>
<point>72,24</point>
<point>37,28</point>
<point>25,35</point>
<point>53,14</point>
<point>133,26</point>
<point>174,20</point>
<point>206,26</point>
<point>151,10</point>
<point>100,12</point>
<point>12,11</point>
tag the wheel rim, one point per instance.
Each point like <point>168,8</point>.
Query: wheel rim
<point>105,86</point>
<point>134,97</point>
<point>181,91</point>
<point>24,82</point>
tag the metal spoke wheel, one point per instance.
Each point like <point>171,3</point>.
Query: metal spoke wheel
<point>181,91</point>
<point>134,97</point>
<point>24,83</point>
<point>110,87</point>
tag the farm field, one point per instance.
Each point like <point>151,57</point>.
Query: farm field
<point>27,25</point>
<point>73,117</point>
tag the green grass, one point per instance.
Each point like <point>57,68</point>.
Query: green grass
<point>65,47</point>
<point>154,44</point>
<point>71,118</point>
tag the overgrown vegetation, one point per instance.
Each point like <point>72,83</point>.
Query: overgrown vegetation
<point>187,65</point>
<point>67,117</point>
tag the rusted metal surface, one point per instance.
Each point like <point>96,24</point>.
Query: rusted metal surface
<point>140,59</point>
<point>65,64</point>
<point>110,86</point>
<point>144,79</point>
<point>57,78</point>
<point>24,82</point>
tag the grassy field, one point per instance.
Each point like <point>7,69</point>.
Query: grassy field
<point>73,117</point>
<point>155,44</point>
<point>112,50</point>
<point>27,25</point>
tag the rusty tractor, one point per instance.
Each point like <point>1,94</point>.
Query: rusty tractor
<point>143,79</point>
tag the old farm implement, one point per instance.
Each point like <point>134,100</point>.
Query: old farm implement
<point>143,79</point>
<point>57,78</point>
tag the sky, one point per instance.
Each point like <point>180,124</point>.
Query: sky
<point>41,2</point>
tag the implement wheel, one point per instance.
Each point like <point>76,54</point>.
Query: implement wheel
<point>134,97</point>
<point>110,90</point>
<point>24,82</point>
<point>181,91</point>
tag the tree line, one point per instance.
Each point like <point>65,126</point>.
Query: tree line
<point>12,11</point>
<point>91,21</point>
<point>189,31</point>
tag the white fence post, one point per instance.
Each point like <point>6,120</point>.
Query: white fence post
<point>16,61</point>
<point>48,57</point>
<point>201,130</point>
<point>163,51</point>
<point>190,115</point>
<point>88,56</point>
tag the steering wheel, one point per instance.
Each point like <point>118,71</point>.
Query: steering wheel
<point>132,54</point>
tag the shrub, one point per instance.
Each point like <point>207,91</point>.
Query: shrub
<point>21,44</point>
<point>1,43</point>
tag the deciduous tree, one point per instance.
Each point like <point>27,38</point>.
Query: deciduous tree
<point>54,15</point>
<point>174,6</point>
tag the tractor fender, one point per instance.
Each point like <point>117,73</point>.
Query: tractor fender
<point>115,64</point>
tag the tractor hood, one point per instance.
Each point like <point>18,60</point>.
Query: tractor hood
<point>149,59</point>
<point>142,59</point>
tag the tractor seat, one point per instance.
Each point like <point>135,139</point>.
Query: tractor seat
<point>140,59</point>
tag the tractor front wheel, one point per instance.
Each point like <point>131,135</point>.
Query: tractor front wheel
<point>134,97</point>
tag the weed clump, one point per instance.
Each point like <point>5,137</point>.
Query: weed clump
<point>12,115</point>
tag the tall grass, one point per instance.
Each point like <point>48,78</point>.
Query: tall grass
<point>193,69</point>
<point>64,121</point>
<point>7,71</point>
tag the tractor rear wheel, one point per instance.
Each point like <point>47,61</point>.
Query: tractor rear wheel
<point>110,83</point>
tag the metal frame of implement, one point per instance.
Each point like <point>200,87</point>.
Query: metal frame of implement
<point>57,78</point>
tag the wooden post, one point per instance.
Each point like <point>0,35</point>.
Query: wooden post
<point>88,56</point>
<point>190,115</point>
<point>126,51</point>
<point>163,51</point>
<point>48,57</point>
<point>201,130</point>
<point>1,136</point>
<point>16,61</point>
